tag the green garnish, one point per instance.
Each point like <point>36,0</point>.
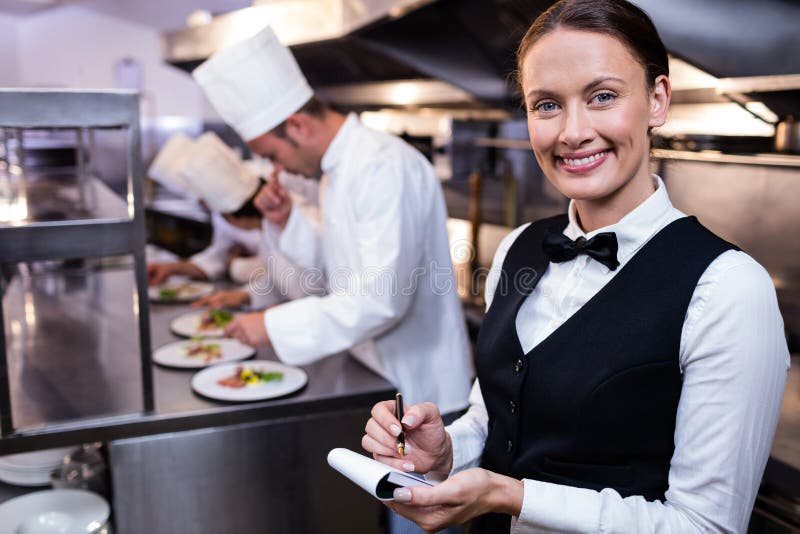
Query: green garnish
<point>167,293</point>
<point>221,317</point>
<point>270,377</point>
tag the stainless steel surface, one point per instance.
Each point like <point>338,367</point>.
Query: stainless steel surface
<point>75,369</point>
<point>759,84</point>
<point>787,135</point>
<point>266,477</point>
<point>54,109</point>
<point>760,160</point>
<point>753,206</point>
<point>399,93</point>
<point>301,21</point>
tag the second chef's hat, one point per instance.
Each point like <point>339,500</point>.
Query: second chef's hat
<point>167,167</point>
<point>218,175</point>
<point>254,84</point>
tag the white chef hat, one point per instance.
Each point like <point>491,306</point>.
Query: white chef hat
<point>217,173</point>
<point>254,84</point>
<point>167,167</point>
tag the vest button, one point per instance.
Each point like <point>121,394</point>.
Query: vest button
<point>510,446</point>
<point>518,366</point>
<point>512,406</point>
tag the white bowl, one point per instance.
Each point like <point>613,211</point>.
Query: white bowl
<point>61,511</point>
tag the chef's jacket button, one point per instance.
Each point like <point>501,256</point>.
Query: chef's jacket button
<point>546,291</point>
<point>518,366</point>
<point>510,446</point>
<point>512,406</point>
<point>553,323</point>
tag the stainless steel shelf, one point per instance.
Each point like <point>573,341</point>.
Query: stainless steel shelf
<point>770,160</point>
<point>45,109</point>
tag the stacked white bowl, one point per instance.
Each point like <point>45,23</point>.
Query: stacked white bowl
<point>31,468</point>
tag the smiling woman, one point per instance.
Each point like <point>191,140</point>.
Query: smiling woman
<point>615,387</point>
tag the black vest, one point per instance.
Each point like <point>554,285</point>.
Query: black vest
<point>593,405</point>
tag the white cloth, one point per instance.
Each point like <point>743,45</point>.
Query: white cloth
<point>733,357</point>
<point>383,249</point>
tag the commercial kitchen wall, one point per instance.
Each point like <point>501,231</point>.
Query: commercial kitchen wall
<point>74,47</point>
<point>9,74</point>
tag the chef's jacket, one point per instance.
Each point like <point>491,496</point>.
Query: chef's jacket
<point>269,276</point>
<point>382,248</point>
<point>214,259</point>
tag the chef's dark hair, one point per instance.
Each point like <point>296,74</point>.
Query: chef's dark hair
<point>617,18</point>
<point>248,208</point>
<point>315,106</point>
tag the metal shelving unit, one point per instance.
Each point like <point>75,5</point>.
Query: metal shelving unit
<point>28,241</point>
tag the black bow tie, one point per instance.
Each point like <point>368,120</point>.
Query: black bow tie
<point>602,247</point>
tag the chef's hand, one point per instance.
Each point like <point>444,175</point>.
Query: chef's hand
<point>159,272</point>
<point>428,446</point>
<point>458,499</point>
<point>233,298</point>
<point>249,329</point>
<point>274,202</point>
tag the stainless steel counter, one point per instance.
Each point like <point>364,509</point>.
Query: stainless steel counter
<point>193,465</point>
<point>74,366</point>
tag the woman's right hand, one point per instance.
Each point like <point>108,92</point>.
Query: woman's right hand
<point>223,299</point>
<point>428,446</point>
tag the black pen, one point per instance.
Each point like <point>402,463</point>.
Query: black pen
<point>398,413</point>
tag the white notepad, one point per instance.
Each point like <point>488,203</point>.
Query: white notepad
<point>380,480</point>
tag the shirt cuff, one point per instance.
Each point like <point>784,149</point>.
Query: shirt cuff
<point>543,509</point>
<point>286,326</point>
<point>463,454</point>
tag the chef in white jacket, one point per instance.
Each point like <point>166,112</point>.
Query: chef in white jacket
<point>382,245</point>
<point>208,170</point>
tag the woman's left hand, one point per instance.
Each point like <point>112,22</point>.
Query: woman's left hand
<point>458,499</point>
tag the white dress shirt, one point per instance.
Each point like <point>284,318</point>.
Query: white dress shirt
<point>383,250</point>
<point>733,358</point>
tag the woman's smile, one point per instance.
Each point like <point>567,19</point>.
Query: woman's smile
<point>582,162</point>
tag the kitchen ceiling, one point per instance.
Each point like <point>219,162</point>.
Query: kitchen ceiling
<point>24,7</point>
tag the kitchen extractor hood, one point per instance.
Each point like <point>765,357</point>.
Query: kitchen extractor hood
<point>461,52</point>
<point>452,52</point>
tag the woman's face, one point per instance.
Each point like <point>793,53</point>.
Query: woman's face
<point>589,109</point>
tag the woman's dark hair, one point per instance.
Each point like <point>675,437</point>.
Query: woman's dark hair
<point>618,18</point>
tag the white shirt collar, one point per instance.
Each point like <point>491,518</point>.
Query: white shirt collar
<point>336,150</point>
<point>635,228</point>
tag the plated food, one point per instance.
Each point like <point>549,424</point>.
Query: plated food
<point>199,352</point>
<point>257,380</point>
<point>209,323</point>
<point>180,292</point>
<point>207,352</point>
<point>248,376</point>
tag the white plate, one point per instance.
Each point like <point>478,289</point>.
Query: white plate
<point>189,325</point>
<point>31,468</point>
<point>205,382</point>
<point>174,354</point>
<point>187,291</point>
<point>62,511</point>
